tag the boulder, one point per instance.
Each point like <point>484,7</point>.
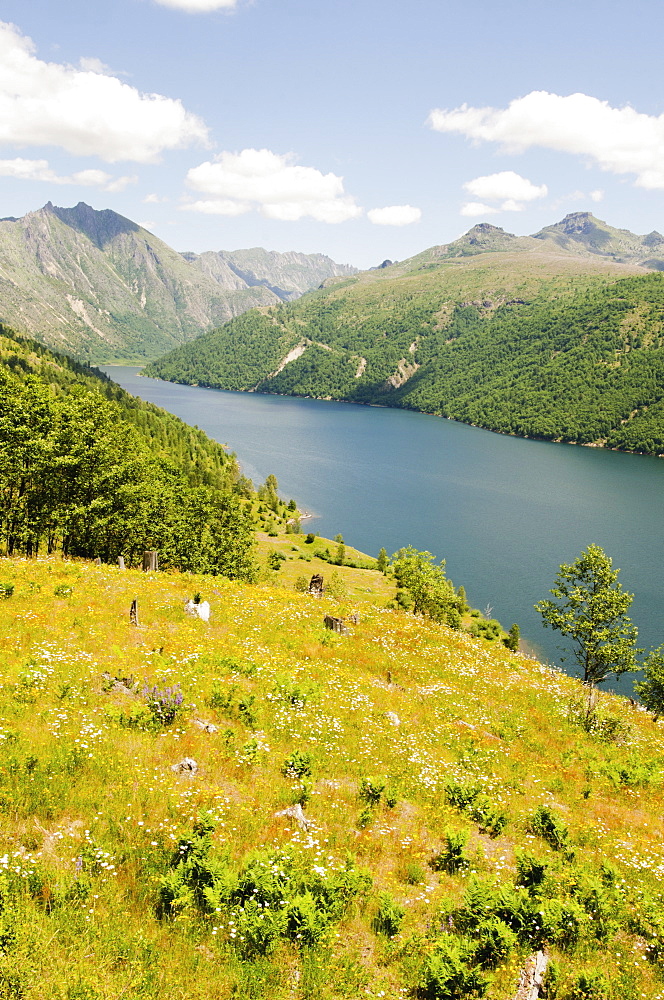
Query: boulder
<point>186,766</point>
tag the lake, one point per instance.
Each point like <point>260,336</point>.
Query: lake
<point>503,512</point>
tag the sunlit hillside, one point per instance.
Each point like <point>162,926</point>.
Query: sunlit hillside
<point>259,807</point>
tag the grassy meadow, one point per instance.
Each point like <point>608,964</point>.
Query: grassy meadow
<point>460,809</point>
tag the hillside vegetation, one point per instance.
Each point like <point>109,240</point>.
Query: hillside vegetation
<point>87,470</point>
<point>522,335</point>
<point>460,809</point>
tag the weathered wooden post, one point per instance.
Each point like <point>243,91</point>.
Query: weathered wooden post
<point>98,561</point>
<point>335,624</point>
<point>121,564</point>
<point>316,586</point>
<point>133,612</point>
<point>150,561</point>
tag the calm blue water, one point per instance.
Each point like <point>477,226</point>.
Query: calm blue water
<point>503,512</point>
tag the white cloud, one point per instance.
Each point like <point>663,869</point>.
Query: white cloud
<point>597,195</point>
<point>506,186</point>
<point>85,111</point>
<point>154,199</point>
<point>119,183</point>
<point>274,184</point>
<point>394,215</point>
<point>39,170</point>
<point>474,208</point>
<point>618,140</point>
<point>223,206</point>
<point>90,64</point>
<point>198,6</point>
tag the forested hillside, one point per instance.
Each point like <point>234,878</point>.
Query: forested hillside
<point>505,335</point>
<point>90,471</point>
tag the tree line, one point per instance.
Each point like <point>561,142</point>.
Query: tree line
<point>81,472</point>
<point>585,366</point>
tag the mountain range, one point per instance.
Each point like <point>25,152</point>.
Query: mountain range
<point>556,335</point>
<point>99,286</point>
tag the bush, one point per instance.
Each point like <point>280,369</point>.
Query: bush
<point>302,585</point>
<point>311,537</point>
<point>163,705</point>
<point>336,587</point>
<point>545,824</point>
<point>6,590</point>
<point>297,764</point>
<point>446,975</point>
<point>589,986</point>
<point>371,790</point>
<point>495,940</point>
<point>531,873</point>
<point>452,858</point>
<point>389,917</point>
<point>275,559</point>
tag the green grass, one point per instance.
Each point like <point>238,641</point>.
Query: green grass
<point>92,812</point>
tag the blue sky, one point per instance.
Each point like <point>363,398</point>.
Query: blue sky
<point>361,129</point>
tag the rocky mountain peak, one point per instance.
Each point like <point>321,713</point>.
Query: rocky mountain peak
<point>578,222</point>
<point>99,226</point>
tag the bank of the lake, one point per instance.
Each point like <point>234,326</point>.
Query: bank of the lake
<point>503,511</point>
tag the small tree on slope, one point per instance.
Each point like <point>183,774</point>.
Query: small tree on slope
<point>591,610</point>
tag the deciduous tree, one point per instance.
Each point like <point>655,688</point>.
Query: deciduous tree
<point>590,609</point>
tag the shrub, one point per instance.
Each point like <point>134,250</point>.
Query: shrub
<point>531,873</point>
<point>495,940</point>
<point>389,918</point>
<point>589,986</point>
<point>297,764</point>
<point>545,824</point>
<point>163,705</point>
<point>371,790</point>
<point>305,922</point>
<point>414,873</point>
<point>491,819</point>
<point>446,976</point>
<point>336,587</point>
<point>310,538</point>
<point>452,858</point>
<point>62,590</point>
<point>6,590</point>
<point>302,584</point>
<point>275,559</point>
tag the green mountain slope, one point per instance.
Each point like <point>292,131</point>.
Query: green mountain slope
<point>88,471</point>
<point>516,334</point>
<point>100,287</point>
<point>581,230</point>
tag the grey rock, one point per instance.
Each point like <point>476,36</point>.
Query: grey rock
<point>207,727</point>
<point>186,766</point>
<point>295,813</point>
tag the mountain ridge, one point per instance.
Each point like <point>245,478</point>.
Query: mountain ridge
<point>98,285</point>
<point>478,330</point>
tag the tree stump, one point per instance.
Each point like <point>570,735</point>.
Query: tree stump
<point>335,624</point>
<point>150,561</point>
<point>316,586</point>
<point>121,564</point>
<point>98,561</point>
<point>133,612</point>
<point>532,977</point>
